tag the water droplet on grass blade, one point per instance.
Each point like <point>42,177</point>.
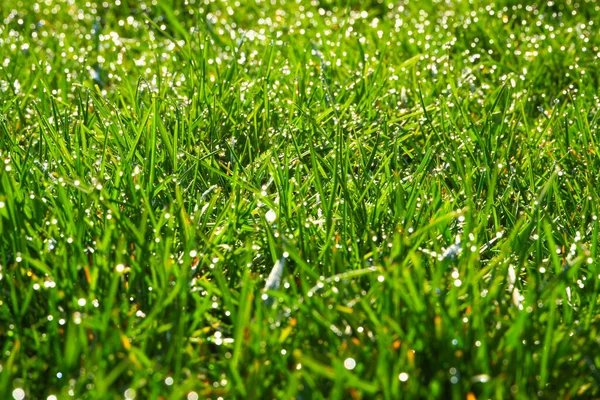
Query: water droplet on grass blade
<point>483,378</point>
<point>349,363</point>
<point>270,216</point>
<point>18,394</point>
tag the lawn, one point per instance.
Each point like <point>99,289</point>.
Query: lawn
<point>299,199</point>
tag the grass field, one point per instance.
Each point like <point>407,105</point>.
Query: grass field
<point>299,200</point>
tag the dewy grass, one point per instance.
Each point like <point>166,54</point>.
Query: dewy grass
<point>427,172</point>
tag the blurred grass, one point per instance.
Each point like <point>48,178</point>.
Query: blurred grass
<point>428,173</point>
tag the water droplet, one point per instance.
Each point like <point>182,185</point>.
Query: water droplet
<point>130,394</point>
<point>349,363</point>
<point>483,378</point>
<point>270,216</point>
<point>18,394</point>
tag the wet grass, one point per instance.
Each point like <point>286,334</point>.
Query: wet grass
<point>299,200</point>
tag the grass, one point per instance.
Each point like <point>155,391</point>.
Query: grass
<point>415,184</point>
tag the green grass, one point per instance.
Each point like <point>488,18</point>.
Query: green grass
<point>426,173</point>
